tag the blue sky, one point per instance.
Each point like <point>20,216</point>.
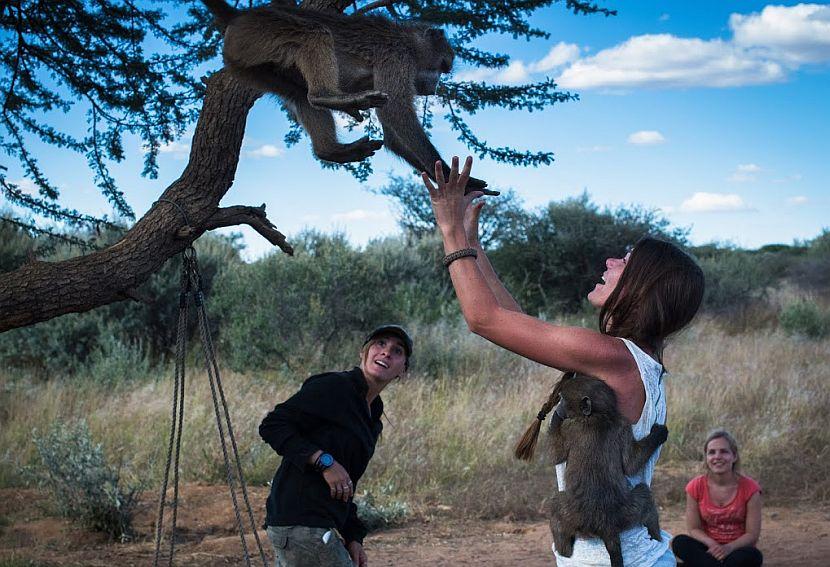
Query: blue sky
<point>714,112</point>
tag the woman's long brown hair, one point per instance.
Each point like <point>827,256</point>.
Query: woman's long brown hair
<point>658,293</point>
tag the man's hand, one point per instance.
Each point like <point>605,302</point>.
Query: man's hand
<point>357,554</point>
<point>339,482</point>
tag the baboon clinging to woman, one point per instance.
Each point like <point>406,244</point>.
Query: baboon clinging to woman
<point>588,431</point>
<point>317,62</point>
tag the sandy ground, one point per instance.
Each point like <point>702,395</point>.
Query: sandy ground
<point>790,536</point>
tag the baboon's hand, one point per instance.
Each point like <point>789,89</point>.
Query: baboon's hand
<point>479,185</point>
<point>347,153</point>
<point>355,114</point>
<point>660,433</point>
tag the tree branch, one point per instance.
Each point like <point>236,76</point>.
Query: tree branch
<point>42,290</point>
<point>388,4</point>
<point>253,217</point>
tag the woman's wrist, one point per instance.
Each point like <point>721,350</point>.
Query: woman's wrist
<point>455,240</point>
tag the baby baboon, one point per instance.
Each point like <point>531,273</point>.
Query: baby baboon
<point>320,61</point>
<point>588,431</point>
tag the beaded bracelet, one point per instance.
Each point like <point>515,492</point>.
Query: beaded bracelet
<point>453,256</point>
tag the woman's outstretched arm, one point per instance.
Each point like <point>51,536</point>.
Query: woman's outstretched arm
<point>564,348</point>
<point>471,218</point>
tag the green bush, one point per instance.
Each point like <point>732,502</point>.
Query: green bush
<point>81,483</point>
<point>312,311</point>
<point>128,330</point>
<point>115,362</point>
<point>552,264</point>
<point>377,515</point>
<point>803,318</point>
<point>736,279</point>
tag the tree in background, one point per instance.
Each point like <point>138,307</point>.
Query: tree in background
<point>131,69</point>
<point>502,218</point>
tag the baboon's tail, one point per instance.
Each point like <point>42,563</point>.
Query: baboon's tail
<point>221,10</point>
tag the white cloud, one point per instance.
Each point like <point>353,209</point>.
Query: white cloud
<point>646,138</point>
<point>176,148</point>
<point>795,177</point>
<point>361,215</point>
<point>666,61</point>
<point>764,48</point>
<point>265,151</point>
<point>560,54</point>
<point>799,200</point>
<point>713,203</point>
<point>517,71</point>
<point>745,172</point>
<point>795,34</point>
<point>593,149</point>
<point>749,168</point>
<point>26,186</point>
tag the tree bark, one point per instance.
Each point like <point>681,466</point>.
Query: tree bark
<point>39,291</point>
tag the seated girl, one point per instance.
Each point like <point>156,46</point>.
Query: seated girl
<point>723,511</point>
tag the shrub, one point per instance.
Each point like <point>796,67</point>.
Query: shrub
<point>82,485</point>
<point>127,330</point>
<point>552,264</point>
<point>380,515</point>
<point>803,318</point>
<point>314,309</point>
<point>115,362</point>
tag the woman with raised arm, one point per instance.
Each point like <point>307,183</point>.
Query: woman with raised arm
<point>644,296</point>
<point>723,511</point>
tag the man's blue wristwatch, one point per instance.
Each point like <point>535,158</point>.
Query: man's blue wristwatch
<point>323,462</point>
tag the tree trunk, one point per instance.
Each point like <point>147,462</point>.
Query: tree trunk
<point>39,291</point>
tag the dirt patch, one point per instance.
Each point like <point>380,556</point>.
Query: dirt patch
<point>28,530</point>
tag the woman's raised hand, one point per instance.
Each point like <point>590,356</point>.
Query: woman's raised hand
<point>472,211</point>
<point>448,200</point>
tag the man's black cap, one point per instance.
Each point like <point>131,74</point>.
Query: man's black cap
<point>395,330</point>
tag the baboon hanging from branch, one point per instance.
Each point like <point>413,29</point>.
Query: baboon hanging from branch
<point>589,433</point>
<point>317,62</point>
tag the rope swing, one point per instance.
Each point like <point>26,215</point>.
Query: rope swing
<point>191,287</point>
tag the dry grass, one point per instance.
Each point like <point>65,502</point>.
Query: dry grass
<point>451,426</point>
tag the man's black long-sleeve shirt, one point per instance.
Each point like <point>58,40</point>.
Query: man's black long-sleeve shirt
<point>328,413</point>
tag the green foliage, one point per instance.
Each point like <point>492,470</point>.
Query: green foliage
<point>313,309</point>
<point>557,259</point>
<point>134,68</point>
<point>121,64</point>
<point>15,245</point>
<point>820,245</point>
<point>501,219</point>
<point>124,336</point>
<point>804,318</point>
<point>81,483</point>
<point>380,515</point>
<point>735,279</point>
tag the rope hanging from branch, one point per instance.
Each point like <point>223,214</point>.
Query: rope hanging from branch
<point>191,287</point>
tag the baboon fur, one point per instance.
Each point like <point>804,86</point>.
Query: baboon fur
<point>317,62</point>
<point>588,431</point>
